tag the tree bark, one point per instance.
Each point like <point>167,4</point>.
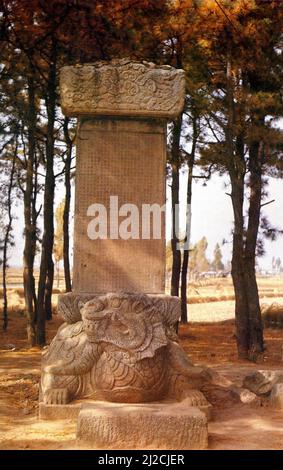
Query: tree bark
<point>175,165</point>
<point>34,216</point>
<point>237,169</point>
<point>66,213</point>
<point>48,289</point>
<point>249,331</point>
<point>7,238</point>
<point>58,274</point>
<point>46,272</point>
<point>30,229</point>
<point>256,345</point>
<point>184,274</point>
<point>238,268</point>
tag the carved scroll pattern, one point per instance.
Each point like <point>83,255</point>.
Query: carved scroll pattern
<point>122,87</point>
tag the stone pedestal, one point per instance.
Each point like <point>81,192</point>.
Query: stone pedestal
<point>140,426</point>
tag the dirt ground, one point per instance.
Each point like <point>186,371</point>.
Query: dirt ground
<point>234,425</point>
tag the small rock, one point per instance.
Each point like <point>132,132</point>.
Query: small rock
<point>246,396</point>
<point>216,378</point>
<point>9,347</point>
<point>261,382</point>
<point>166,67</point>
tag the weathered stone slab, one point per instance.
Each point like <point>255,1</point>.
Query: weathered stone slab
<point>120,163</point>
<point>72,410</point>
<point>122,88</point>
<point>143,426</point>
<point>54,412</point>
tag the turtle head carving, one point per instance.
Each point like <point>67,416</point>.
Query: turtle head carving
<point>125,322</point>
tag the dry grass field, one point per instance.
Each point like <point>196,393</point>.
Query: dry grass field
<point>216,295</point>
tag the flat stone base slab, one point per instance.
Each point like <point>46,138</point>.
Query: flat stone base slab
<point>54,412</point>
<point>72,410</point>
<point>143,426</point>
<point>69,411</point>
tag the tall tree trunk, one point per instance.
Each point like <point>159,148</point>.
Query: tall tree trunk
<point>66,213</point>
<point>35,214</point>
<point>58,273</point>
<point>30,229</point>
<point>238,268</point>
<point>48,289</point>
<point>7,238</point>
<point>46,272</point>
<point>184,275</point>
<point>175,165</point>
<point>237,169</point>
<point>256,345</point>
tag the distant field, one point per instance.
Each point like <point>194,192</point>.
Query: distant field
<point>220,289</point>
<point>209,300</point>
<point>206,290</point>
<point>15,278</point>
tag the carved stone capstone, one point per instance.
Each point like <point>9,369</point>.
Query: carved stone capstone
<point>122,350</point>
<point>70,306</point>
<point>122,88</point>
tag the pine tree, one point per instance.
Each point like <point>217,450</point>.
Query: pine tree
<point>217,264</point>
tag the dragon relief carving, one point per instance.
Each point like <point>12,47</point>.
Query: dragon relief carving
<point>123,350</point>
<point>122,87</point>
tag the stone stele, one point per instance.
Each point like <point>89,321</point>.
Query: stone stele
<point>118,342</point>
<point>122,109</point>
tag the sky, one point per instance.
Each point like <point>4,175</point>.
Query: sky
<point>211,217</point>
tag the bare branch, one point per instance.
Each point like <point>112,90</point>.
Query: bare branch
<point>266,203</point>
